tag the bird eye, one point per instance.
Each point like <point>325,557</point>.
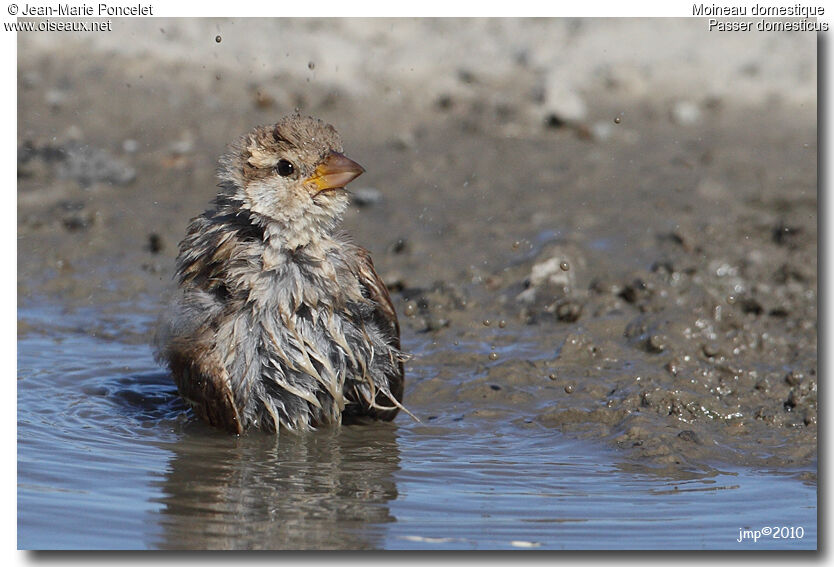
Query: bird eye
<point>284,168</point>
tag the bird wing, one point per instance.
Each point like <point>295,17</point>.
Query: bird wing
<point>385,316</point>
<point>375,288</point>
<point>189,339</point>
<point>204,384</point>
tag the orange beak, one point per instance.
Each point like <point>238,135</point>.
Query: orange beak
<point>334,172</point>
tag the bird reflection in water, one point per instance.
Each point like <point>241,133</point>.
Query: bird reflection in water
<point>328,489</point>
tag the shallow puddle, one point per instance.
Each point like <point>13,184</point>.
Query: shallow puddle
<point>110,458</point>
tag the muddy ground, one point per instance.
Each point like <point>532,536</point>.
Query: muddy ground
<point>641,272</point>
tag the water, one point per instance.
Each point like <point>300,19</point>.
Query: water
<point>108,457</point>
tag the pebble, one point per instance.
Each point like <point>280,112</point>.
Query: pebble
<point>263,99</point>
<point>691,436</point>
<point>794,378</point>
<point>686,113</point>
<point>366,196</point>
<point>155,243</point>
<point>130,146</point>
<point>601,130</point>
<point>399,246</point>
<point>55,97</point>
<point>657,343</point>
<point>710,350</point>
<point>79,221</point>
<point>562,101</point>
<point>568,311</point>
<point>183,146</point>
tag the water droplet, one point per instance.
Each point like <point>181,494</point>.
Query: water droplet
<point>311,65</point>
<point>618,119</point>
<point>493,356</point>
<point>552,376</point>
<point>218,39</point>
<point>569,389</point>
<point>564,265</point>
<point>502,323</point>
<point>410,310</point>
<point>487,322</point>
<point>516,244</point>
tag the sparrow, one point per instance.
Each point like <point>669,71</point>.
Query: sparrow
<point>279,320</point>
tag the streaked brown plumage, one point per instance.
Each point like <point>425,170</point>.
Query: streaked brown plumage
<point>280,321</point>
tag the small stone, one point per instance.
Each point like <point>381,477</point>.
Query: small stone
<point>686,113</point>
<point>55,98</point>
<point>657,343</point>
<point>444,102</point>
<point>183,146</point>
<point>366,196</point>
<point>79,221</point>
<point>502,323</point>
<point>263,100</point>
<point>691,436</point>
<point>569,388</point>
<point>399,246</point>
<point>568,311</point>
<point>794,378</point>
<point>434,323</point>
<point>561,101</point>
<point>155,243</point>
<point>493,356</point>
<point>601,130</point>
<point>710,350</point>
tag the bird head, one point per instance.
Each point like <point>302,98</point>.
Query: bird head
<point>292,173</point>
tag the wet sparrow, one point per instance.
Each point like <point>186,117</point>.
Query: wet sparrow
<point>279,319</point>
